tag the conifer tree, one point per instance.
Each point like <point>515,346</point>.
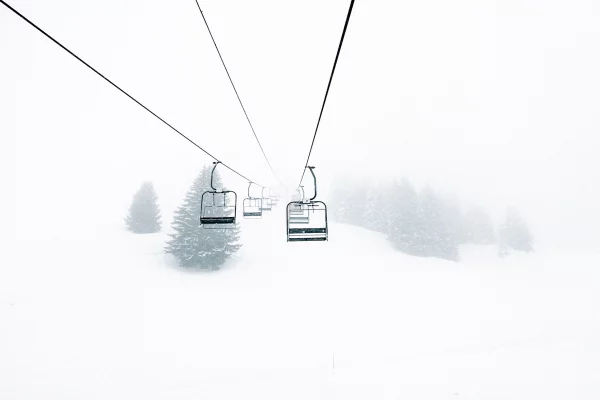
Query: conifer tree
<point>403,218</point>
<point>190,243</point>
<point>339,201</point>
<point>434,238</point>
<point>376,213</point>
<point>514,233</point>
<point>454,220</point>
<point>479,226</point>
<point>356,204</point>
<point>144,213</point>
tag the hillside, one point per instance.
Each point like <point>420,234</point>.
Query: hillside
<point>108,316</point>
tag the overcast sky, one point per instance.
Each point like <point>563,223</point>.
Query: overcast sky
<point>495,101</point>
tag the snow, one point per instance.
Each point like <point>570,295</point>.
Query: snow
<point>106,315</point>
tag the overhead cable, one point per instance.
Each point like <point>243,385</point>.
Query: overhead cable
<point>119,88</point>
<point>236,92</point>
<point>327,91</point>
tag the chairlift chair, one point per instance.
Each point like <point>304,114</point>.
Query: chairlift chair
<point>274,198</point>
<point>218,207</point>
<point>267,203</point>
<point>252,206</point>
<point>298,211</point>
<point>298,199</point>
<point>307,219</point>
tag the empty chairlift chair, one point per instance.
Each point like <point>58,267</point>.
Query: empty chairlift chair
<point>252,206</point>
<point>307,219</point>
<point>274,198</point>
<point>267,203</point>
<point>298,211</point>
<point>218,207</point>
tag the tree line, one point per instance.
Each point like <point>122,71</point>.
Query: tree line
<point>419,223</point>
<point>424,223</point>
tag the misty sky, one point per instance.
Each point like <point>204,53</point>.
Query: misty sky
<point>494,101</point>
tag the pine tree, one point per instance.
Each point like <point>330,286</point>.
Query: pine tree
<point>403,214</point>
<point>144,214</point>
<point>376,212</point>
<point>434,236</point>
<point>454,220</point>
<point>514,233</point>
<point>479,226</point>
<point>339,201</point>
<point>193,245</point>
<point>356,204</point>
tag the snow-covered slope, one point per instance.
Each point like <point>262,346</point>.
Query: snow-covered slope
<point>108,316</point>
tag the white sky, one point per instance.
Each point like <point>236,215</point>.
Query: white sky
<point>496,101</point>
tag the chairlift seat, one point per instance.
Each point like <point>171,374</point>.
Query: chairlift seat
<point>307,234</point>
<point>217,220</point>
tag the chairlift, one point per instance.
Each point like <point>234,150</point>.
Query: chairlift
<point>275,200</point>
<point>307,218</point>
<point>298,197</point>
<point>267,203</point>
<point>297,211</point>
<point>273,197</point>
<point>252,206</point>
<point>218,207</point>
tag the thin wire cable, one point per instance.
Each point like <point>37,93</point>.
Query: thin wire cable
<point>118,88</point>
<point>328,86</point>
<point>236,92</point>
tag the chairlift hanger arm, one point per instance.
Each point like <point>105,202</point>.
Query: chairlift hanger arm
<point>212,174</point>
<point>250,183</point>
<point>315,182</point>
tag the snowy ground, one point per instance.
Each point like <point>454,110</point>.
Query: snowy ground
<point>107,316</point>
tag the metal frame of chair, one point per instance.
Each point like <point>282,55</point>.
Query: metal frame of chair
<point>225,220</point>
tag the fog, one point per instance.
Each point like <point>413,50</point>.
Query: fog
<point>493,101</point>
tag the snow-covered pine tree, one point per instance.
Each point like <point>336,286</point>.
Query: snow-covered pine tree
<point>339,199</point>
<point>191,244</point>
<point>514,233</point>
<point>370,209</point>
<point>376,213</point>
<point>357,202</point>
<point>434,236</point>
<point>144,214</point>
<point>403,218</point>
<point>479,226</point>
<point>454,220</point>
